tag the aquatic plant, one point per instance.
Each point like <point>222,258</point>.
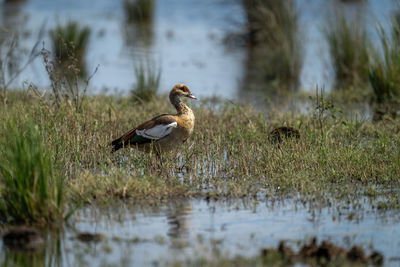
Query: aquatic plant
<point>139,11</point>
<point>385,68</point>
<point>32,190</point>
<point>147,82</point>
<point>275,50</point>
<point>349,49</point>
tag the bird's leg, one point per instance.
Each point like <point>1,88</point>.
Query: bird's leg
<point>160,160</point>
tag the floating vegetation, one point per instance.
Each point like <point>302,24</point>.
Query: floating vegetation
<point>32,190</point>
<point>275,50</point>
<point>349,49</point>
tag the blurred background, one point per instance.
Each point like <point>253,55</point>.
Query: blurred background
<point>255,51</point>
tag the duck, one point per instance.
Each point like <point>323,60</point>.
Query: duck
<point>164,132</point>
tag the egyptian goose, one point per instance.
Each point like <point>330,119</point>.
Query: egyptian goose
<point>165,131</point>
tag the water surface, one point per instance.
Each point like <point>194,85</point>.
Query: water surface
<point>182,229</point>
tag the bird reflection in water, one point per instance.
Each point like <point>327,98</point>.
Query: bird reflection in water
<point>179,222</point>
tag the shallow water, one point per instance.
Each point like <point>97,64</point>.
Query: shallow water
<point>185,41</point>
<point>181,229</point>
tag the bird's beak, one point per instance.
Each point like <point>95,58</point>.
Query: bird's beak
<point>192,96</point>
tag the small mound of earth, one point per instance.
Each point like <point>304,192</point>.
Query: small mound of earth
<point>325,252</point>
<point>281,133</point>
<point>23,238</point>
<point>90,237</point>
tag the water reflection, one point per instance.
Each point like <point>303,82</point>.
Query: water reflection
<point>185,228</point>
<point>178,215</point>
<point>52,254</point>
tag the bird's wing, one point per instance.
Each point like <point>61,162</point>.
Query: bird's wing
<point>152,130</point>
<point>158,131</point>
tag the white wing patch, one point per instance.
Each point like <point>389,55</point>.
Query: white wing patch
<point>158,131</point>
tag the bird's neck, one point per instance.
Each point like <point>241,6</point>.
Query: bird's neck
<point>180,106</point>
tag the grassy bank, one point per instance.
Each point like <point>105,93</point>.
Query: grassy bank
<point>229,154</point>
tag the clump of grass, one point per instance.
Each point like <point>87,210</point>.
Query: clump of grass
<point>70,44</point>
<point>274,44</point>
<point>349,49</point>
<point>139,11</point>
<point>70,39</point>
<point>147,82</point>
<point>32,191</point>
<point>384,71</point>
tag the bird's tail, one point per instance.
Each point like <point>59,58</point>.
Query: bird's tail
<point>117,144</point>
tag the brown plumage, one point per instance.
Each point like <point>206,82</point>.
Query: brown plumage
<point>165,131</point>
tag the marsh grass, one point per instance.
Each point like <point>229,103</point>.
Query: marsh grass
<point>139,11</point>
<point>147,82</point>
<point>383,72</point>
<point>229,155</point>
<point>275,50</point>
<point>32,190</point>
<point>349,48</point>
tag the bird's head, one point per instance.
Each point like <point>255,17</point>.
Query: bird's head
<point>181,90</point>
